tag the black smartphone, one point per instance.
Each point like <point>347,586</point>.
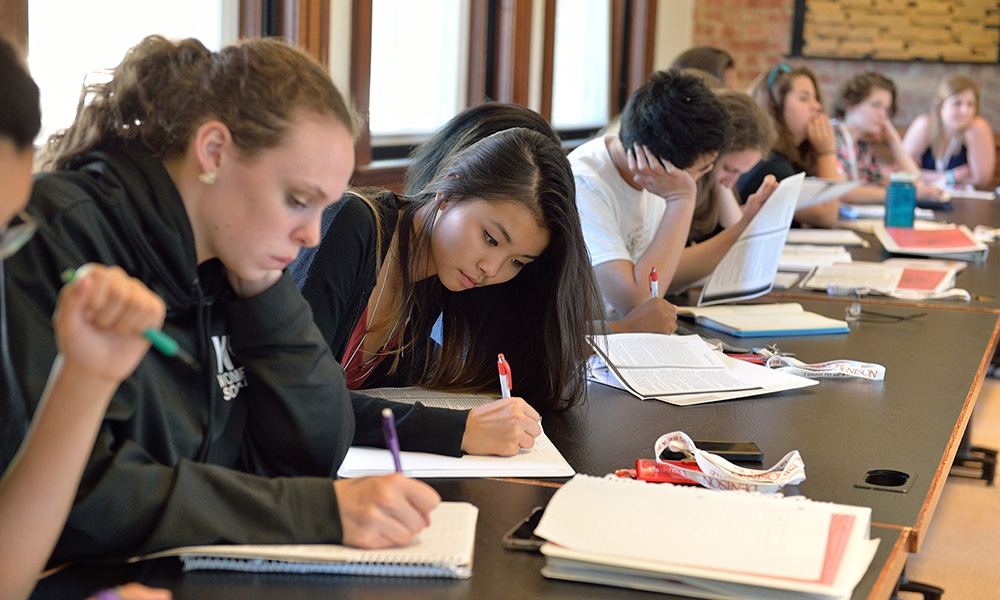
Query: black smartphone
<point>747,451</point>
<point>522,536</point>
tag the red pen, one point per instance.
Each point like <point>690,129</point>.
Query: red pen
<point>505,377</point>
<point>654,284</point>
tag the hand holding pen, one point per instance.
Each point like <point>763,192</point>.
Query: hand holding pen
<point>161,341</point>
<point>503,427</point>
<point>100,319</point>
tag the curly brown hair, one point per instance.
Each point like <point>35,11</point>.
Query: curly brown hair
<point>855,90</point>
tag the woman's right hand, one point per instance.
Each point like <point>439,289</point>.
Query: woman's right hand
<point>929,192</point>
<point>659,176</point>
<point>655,315</point>
<point>137,591</point>
<point>501,427</point>
<point>100,318</point>
<point>385,511</point>
<point>820,134</point>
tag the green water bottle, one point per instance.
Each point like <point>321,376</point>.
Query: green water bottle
<point>900,200</point>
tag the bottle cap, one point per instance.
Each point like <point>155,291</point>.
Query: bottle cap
<point>902,176</point>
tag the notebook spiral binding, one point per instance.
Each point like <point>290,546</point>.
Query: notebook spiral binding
<point>396,567</point>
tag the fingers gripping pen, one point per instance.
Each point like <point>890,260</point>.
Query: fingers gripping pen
<point>166,345</point>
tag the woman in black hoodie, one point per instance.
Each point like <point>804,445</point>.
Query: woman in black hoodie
<point>202,174</point>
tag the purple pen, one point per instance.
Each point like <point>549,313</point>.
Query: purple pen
<point>391,439</point>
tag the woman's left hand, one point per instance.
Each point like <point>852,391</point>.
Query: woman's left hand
<point>758,198</point>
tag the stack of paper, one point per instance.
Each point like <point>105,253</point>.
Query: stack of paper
<point>825,237</point>
<point>704,543</point>
<point>681,370</point>
<point>542,460</point>
<point>802,257</point>
<point>886,277</point>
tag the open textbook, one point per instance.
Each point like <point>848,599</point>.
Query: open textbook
<point>443,549</point>
<point>748,268</point>
<point>712,544</point>
<point>681,370</point>
<point>542,460</point>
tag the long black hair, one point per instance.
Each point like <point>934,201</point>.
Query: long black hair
<point>540,318</point>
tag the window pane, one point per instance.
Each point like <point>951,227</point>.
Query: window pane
<point>417,66</point>
<point>581,64</point>
<point>69,40</point>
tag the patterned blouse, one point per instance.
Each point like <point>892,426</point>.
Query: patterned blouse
<point>870,169</point>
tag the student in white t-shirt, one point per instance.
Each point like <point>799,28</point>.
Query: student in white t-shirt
<point>636,191</point>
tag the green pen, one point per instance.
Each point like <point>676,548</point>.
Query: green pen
<point>166,345</point>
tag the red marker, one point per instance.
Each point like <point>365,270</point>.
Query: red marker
<point>654,284</point>
<point>505,377</point>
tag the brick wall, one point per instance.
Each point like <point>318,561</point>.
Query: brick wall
<point>758,33</point>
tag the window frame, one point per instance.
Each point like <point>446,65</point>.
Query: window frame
<point>499,65</point>
<point>499,54</point>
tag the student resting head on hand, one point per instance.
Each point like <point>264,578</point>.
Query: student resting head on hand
<point>953,143</point>
<point>203,174</point>
<point>636,191</point>
<point>791,98</point>
<point>863,114</point>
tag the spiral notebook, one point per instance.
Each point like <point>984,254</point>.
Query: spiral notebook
<point>444,549</point>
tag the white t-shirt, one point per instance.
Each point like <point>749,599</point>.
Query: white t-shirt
<point>618,221</point>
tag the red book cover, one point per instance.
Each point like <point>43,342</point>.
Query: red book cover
<point>921,279</point>
<point>952,238</point>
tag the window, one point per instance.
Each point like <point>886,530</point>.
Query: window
<point>73,42</point>
<point>417,68</point>
<point>581,63</point>
<point>605,52</point>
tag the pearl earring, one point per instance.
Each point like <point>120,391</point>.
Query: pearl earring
<point>208,177</point>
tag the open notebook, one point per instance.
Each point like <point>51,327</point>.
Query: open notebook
<point>444,549</point>
<point>542,460</point>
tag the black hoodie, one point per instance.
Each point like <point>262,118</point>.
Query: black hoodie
<point>242,452</point>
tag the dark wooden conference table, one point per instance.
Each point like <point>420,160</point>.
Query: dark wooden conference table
<point>498,574</point>
<point>910,422</point>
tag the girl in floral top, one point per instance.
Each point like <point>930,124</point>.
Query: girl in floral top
<point>863,110</point>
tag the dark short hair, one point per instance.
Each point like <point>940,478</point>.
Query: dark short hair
<point>20,118</point>
<point>677,117</point>
<point>855,90</point>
